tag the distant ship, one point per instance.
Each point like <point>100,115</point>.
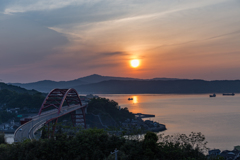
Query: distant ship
<point>130,98</point>
<point>228,94</point>
<point>212,95</point>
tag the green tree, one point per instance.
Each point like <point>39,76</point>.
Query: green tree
<point>2,138</point>
<point>97,144</point>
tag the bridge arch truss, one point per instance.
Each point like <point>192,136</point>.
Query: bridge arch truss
<point>57,97</point>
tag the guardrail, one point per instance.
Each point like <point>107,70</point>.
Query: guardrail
<point>40,126</point>
<point>29,122</point>
<point>14,135</point>
<point>35,129</point>
<point>47,113</point>
<point>43,121</point>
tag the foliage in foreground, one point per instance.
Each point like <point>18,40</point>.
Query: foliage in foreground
<point>96,144</point>
<point>2,138</point>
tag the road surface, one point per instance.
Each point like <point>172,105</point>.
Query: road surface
<point>27,130</point>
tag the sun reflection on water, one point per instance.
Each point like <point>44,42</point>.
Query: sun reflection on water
<point>134,107</point>
<point>135,99</point>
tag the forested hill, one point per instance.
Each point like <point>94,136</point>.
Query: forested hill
<point>14,96</point>
<point>161,86</point>
<point>16,88</point>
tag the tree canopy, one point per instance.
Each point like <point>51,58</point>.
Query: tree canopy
<point>97,144</point>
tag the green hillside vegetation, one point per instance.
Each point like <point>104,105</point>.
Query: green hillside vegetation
<point>19,98</point>
<point>16,88</point>
<point>109,111</point>
<point>96,144</point>
<point>12,99</point>
<point>5,116</point>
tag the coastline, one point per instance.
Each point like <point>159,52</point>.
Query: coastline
<point>161,128</point>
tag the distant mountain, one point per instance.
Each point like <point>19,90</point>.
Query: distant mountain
<point>95,78</point>
<point>48,85</point>
<point>167,79</point>
<point>120,85</point>
<point>160,86</point>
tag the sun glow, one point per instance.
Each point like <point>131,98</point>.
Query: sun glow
<point>135,63</point>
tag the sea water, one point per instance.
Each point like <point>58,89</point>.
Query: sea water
<point>217,117</point>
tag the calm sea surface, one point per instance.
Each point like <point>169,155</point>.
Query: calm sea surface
<point>217,118</point>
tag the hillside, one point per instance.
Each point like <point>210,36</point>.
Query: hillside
<point>12,97</point>
<point>16,88</point>
<point>108,111</point>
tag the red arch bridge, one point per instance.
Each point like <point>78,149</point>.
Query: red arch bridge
<point>57,103</point>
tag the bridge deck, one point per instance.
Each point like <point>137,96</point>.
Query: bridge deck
<point>27,130</point>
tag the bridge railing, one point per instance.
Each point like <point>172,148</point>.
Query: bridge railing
<point>14,135</point>
<point>38,127</point>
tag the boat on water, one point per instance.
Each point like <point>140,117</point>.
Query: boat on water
<point>212,95</point>
<point>130,98</point>
<point>228,94</point>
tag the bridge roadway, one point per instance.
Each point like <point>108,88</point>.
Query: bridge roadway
<point>27,130</point>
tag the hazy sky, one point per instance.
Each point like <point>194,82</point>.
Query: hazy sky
<point>64,40</point>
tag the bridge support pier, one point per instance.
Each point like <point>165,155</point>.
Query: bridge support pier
<point>54,126</point>
<point>54,123</point>
<point>78,118</point>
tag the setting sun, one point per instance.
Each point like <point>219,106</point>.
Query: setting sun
<point>135,63</point>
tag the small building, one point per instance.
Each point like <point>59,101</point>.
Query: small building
<point>214,152</point>
<point>229,155</point>
<point>237,148</point>
<point>148,122</point>
<point>127,120</point>
<point>156,124</point>
<point>90,96</point>
<point>134,121</point>
<point>33,110</point>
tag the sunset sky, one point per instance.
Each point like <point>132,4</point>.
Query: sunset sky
<point>65,40</point>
